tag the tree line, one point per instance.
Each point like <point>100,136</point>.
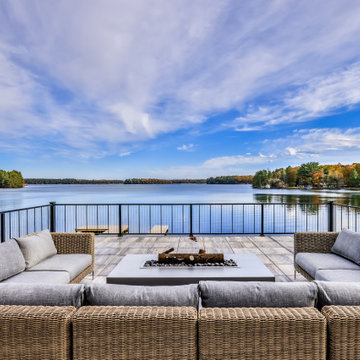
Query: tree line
<point>234,179</point>
<point>310,174</point>
<point>11,179</point>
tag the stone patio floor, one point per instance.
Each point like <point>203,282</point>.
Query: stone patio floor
<point>276,252</point>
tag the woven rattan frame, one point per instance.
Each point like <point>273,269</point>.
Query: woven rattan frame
<point>343,323</point>
<point>261,333</point>
<point>73,243</point>
<point>129,333</point>
<point>35,332</point>
<point>312,242</point>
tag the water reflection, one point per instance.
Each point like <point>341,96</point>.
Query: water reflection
<point>347,198</point>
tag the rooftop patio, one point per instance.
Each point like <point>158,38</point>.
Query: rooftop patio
<point>276,252</point>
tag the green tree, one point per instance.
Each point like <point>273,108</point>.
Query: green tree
<point>291,176</point>
<point>261,178</point>
<point>11,179</point>
<point>306,171</point>
<point>354,180</point>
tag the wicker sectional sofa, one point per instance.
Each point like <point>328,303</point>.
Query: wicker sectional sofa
<point>70,259</point>
<point>314,257</point>
<point>71,323</point>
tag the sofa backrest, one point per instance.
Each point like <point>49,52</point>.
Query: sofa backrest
<point>12,260</point>
<point>41,294</point>
<point>257,294</point>
<point>128,295</point>
<point>338,293</point>
<point>37,247</point>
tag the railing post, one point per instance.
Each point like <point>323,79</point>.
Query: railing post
<point>331,215</point>
<point>52,216</point>
<point>262,220</point>
<point>191,221</point>
<point>2,238</point>
<point>120,232</point>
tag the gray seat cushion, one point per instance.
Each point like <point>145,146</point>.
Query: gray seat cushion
<point>12,260</point>
<point>128,295</point>
<point>74,264</point>
<point>41,294</point>
<point>312,262</point>
<point>347,244</point>
<point>40,277</point>
<point>338,275</point>
<point>36,248</point>
<point>257,294</point>
<point>338,293</point>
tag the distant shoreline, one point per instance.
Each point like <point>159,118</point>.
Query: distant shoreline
<point>233,179</point>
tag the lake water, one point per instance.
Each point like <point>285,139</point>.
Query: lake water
<point>33,195</point>
<point>286,216</point>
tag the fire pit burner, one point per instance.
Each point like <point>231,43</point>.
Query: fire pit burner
<point>156,263</point>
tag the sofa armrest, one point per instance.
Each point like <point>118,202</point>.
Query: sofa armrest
<point>35,332</point>
<point>343,324</point>
<point>314,242</point>
<point>262,333</point>
<point>135,332</point>
<point>73,243</point>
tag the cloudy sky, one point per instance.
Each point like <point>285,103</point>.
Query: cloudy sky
<point>175,89</point>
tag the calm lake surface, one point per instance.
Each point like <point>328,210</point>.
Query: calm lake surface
<point>33,195</point>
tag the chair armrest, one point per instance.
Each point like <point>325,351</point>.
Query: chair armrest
<point>343,324</point>
<point>72,243</point>
<point>35,332</point>
<point>135,332</point>
<point>314,242</point>
<point>262,333</point>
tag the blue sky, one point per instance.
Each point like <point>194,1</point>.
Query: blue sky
<point>177,89</point>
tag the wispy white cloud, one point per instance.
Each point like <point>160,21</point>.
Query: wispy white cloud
<point>316,142</point>
<point>125,153</point>
<point>319,97</point>
<point>186,147</point>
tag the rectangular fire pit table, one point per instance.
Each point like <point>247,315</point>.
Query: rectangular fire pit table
<point>131,271</point>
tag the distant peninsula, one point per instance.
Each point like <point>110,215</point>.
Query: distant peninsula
<point>11,179</point>
<point>233,179</point>
<point>310,175</point>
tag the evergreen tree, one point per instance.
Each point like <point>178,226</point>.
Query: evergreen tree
<point>354,180</point>
<point>291,176</point>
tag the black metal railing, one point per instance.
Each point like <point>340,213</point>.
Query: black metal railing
<point>180,219</point>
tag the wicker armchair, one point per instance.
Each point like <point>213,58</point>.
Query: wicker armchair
<point>312,242</point>
<point>73,243</point>
<point>343,324</point>
<point>35,332</point>
<point>262,334</point>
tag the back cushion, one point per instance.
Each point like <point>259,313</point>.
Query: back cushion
<point>128,295</point>
<point>41,294</point>
<point>338,293</point>
<point>347,245</point>
<point>257,294</point>
<point>12,260</point>
<point>36,248</point>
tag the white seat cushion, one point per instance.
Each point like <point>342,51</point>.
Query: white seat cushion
<point>40,277</point>
<point>74,264</point>
<point>338,275</point>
